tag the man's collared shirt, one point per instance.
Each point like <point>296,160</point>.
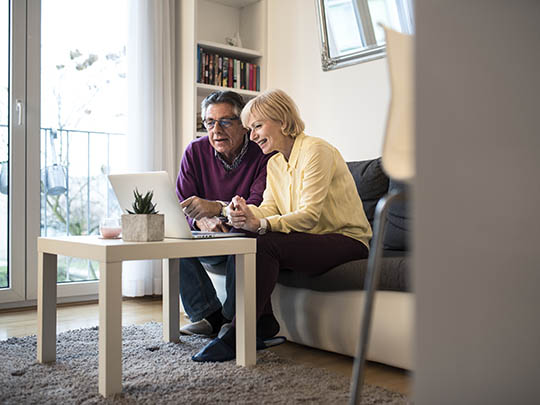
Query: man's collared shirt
<point>237,160</point>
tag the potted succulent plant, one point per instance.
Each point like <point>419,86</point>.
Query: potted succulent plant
<point>143,223</point>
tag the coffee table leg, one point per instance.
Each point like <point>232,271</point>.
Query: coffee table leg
<point>245,310</point>
<point>46,303</point>
<point>110,328</point>
<point>171,300</point>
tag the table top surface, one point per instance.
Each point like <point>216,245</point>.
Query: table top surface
<point>96,248</point>
<point>100,241</point>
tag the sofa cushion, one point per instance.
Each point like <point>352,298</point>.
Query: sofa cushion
<point>371,183</point>
<point>397,232</point>
<point>394,276</point>
<point>345,277</point>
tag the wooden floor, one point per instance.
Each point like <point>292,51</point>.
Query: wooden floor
<point>17,323</point>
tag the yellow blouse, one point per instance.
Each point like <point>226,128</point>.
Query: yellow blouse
<point>313,192</point>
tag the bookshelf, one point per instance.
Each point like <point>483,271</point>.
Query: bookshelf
<point>205,25</point>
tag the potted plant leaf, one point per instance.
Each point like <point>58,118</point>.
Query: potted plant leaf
<point>143,223</point>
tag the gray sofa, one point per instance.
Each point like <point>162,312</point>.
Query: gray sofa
<point>324,311</point>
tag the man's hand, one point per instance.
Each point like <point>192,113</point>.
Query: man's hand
<point>197,208</point>
<point>211,225</point>
<point>241,217</point>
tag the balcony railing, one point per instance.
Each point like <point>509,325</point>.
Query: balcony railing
<point>75,192</point>
<point>74,166</point>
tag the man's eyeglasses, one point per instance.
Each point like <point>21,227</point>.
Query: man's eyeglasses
<point>223,122</point>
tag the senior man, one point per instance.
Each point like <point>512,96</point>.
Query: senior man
<point>213,170</point>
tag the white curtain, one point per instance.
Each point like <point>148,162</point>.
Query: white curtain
<point>151,106</point>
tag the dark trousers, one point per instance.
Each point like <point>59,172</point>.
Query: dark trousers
<point>302,252</point>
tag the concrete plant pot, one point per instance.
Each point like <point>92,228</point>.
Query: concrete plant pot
<point>143,227</point>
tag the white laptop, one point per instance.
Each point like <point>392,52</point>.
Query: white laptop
<point>166,200</point>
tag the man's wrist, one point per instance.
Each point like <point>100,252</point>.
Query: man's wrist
<point>221,209</point>
<point>222,213</point>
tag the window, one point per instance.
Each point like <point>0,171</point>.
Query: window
<point>350,30</point>
<point>83,119</point>
<point>54,160</point>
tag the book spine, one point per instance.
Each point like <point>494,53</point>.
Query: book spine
<point>243,75</point>
<point>231,72</point>
<point>248,68</point>
<point>251,76</point>
<point>219,70</point>
<point>206,68</point>
<point>211,67</point>
<point>225,77</point>
<point>199,63</point>
<point>237,74</point>
<point>258,78</point>
<point>246,76</point>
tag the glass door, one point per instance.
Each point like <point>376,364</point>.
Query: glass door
<point>12,150</point>
<point>63,118</point>
<point>4,146</point>
<point>83,124</point>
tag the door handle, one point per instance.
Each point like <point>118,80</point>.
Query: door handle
<point>19,109</point>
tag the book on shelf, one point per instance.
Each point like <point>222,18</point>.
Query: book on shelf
<point>219,69</point>
<point>242,75</point>
<point>199,64</point>
<point>230,80</point>
<point>225,70</point>
<point>237,73</point>
<point>258,83</point>
<point>210,69</point>
<point>205,69</point>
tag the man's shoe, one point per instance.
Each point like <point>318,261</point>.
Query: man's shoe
<point>267,327</point>
<point>199,328</point>
<point>218,351</point>
<point>215,351</point>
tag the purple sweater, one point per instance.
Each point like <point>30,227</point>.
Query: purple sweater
<point>202,174</point>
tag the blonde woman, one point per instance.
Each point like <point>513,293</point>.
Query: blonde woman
<point>311,218</point>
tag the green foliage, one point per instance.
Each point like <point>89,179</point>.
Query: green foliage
<point>143,205</point>
<point>3,277</point>
<point>76,206</point>
<point>71,269</point>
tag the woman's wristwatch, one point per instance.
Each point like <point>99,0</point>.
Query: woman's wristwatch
<point>263,226</point>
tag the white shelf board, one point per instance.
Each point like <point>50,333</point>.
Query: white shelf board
<point>229,50</point>
<point>205,90</point>
<point>235,3</point>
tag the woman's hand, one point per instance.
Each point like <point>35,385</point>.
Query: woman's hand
<point>241,217</point>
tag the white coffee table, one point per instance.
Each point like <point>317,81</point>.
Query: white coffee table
<point>110,254</point>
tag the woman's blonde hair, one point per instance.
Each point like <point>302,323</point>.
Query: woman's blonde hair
<point>275,105</point>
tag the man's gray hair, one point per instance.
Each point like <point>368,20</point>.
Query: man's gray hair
<point>217,97</point>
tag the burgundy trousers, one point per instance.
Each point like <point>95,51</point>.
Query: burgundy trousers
<point>302,252</point>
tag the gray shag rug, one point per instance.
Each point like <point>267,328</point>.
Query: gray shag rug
<point>158,372</point>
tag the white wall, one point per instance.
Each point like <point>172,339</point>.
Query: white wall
<point>477,222</point>
<point>346,107</point>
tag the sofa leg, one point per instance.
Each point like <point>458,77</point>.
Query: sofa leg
<point>370,286</point>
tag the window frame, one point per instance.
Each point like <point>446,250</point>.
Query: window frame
<point>371,51</point>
